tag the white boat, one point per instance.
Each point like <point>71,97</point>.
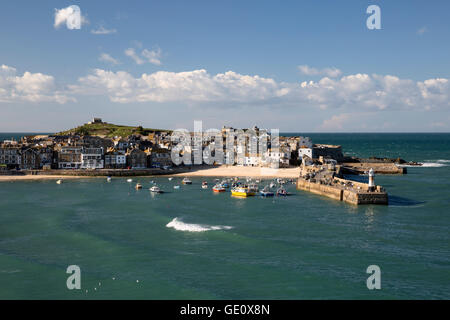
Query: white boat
<point>59,181</point>
<point>176,187</point>
<point>186,181</point>
<point>156,189</point>
<point>204,185</point>
<point>272,185</point>
<point>108,179</point>
<point>170,179</point>
<point>138,186</point>
<point>129,180</point>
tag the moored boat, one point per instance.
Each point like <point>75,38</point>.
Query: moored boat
<point>138,186</point>
<point>155,189</point>
<point>281,192</point>
<point>218,188</point>
<point>204,185</point>
<point>244,191</point>
<point>266,192</point>
<point>186,181</point>
<point>59,181</point>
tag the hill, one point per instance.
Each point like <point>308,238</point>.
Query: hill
<point>109,130</point>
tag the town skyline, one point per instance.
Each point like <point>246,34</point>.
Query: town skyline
<point>297,67</point>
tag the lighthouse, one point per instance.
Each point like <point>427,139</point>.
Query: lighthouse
<point>371,180</point>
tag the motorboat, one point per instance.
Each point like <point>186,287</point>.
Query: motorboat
<point>59,181</point>
<point>266,192</point>
<point>244,191</point>
<point>129,180</point>
<point>186,181</point>
<point>176,187</point>
<point>138,186</point>
<point>108,179</point>
<point>155,189</point>
<point>225,184</point>
<point>281,192</point>
<point>171,178</point>
<point>218,188</point>
<point>204,185</point>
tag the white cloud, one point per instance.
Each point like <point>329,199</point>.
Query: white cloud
<point>130,52</point>
<point>329,72</point>
<point>150,56</point>
<point>30,87</point>
<point>422,30</point>
<point>105,57</point>
<point>102,30</point>
<point>336,122</point>
<point>194,86</point>
<point>62,15</point>
<point>352,92</point>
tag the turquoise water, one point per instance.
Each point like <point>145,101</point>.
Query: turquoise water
<point>300,247</point>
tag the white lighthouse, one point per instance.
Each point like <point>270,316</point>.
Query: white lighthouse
<point>371,180</point>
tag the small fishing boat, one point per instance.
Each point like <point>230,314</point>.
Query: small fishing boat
<point>225,184</point>
<point>176,187</point>
<point>204,185</point>
<point>129,180</point>
<point>186,181</point>
<point>108,179</point>
<point>170,179</point>
<point>138,186</point>
<point>266,192</point>
<point>218,188</point>
<point>281,192</point>
<point>155,189</point>
<point>59,181</point>
<point>244,191</point>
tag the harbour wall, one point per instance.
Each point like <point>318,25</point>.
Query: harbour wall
<point>350,195</point>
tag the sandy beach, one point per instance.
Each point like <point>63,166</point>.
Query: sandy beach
<point>238,171</point>
<point>222,171</point>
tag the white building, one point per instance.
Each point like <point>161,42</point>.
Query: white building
<point>92,158</point>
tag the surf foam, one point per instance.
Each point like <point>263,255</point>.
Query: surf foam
<point>192,227</point>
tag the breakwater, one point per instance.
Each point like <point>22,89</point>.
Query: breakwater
<point>345,190</point>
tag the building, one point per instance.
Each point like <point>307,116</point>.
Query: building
<point>69,157</point>
<point>327,151</point>
<point>10,157</point>
<point>92,158</point>
<point>95,120</point>
<point>160,158</point>
<point>115,160</point>
<point>136,159</point>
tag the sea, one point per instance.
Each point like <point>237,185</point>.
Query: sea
<point>190,243</point>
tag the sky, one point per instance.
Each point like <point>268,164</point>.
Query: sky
<point>297,66</point>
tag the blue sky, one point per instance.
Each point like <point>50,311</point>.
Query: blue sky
<point>168,63</point>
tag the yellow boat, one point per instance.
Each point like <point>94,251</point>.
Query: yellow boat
<point>244,191</point>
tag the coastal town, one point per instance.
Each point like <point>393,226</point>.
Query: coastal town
<point>98,148</point>
<point>78,151</point>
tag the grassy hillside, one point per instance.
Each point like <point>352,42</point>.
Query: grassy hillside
<point>109,130</point>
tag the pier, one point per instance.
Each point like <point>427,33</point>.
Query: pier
<point>325,181</point>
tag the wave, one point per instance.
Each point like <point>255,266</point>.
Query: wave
<point>192,227</point>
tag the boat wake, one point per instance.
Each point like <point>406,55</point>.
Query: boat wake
<point>436,163</point>
<point>192,227</point>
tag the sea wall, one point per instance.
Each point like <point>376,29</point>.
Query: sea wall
<point>378,168</point>
<point>336,192</point>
